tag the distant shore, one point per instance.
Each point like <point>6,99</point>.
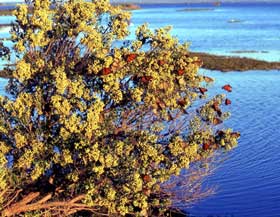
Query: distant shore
<point>129,6</point>
<point>4,11</point>
<point>233,63</point>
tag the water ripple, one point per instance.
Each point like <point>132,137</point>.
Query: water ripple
<point>249,181</point>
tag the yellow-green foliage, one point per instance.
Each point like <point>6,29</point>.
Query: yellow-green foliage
<point>102,117</point>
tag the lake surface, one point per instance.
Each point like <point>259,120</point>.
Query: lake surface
<point>249,180</point>
<point>256,29</point>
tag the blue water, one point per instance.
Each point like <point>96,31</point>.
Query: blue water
<point>249,180</point>
<point>210,30</point>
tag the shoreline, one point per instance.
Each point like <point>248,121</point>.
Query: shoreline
<point>219,63</point>
<point>124,6</point>
<point>6,12</point>
<point>233,63</point>
<point>128,6</point>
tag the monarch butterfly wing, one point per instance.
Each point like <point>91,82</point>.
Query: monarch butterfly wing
<point>208,79</point>
<point>227,102</point>
<point>202,90</point>
<point>217,121</point>
<point>227,87</point>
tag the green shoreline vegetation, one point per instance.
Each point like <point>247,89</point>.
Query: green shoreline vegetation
<point>129,6</point>
<point>232,63</point>
<point>8,12</point>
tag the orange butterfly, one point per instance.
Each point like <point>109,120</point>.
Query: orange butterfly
<point>217,121</point>
<point>106,71</point>
<point>208,79</point>
<point>146,79</point>
<point>161,104</point>
<point>147,178</point>
<point>180,72</point>
<point>198,63</point>
<point>205,146</point>
<point>131,57</point>
<point>147,191</point>
<point>227,102</point>
<point>115,65</point>
<point>235,135</point>
<point>216,107</point>
<point>227,87</point>
<point>220,133</point>
<point>161,62</point>
<point>181,102</point>
<point>170,118</point>
<point>202,90</point>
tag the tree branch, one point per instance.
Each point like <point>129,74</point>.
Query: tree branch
<point>23,206</point>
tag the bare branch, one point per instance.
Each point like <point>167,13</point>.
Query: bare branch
<point>45,199</point>
<point>13,198</point>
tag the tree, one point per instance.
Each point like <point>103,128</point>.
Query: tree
<point>97,123</point>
